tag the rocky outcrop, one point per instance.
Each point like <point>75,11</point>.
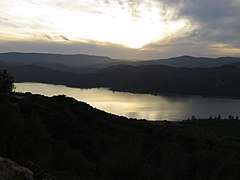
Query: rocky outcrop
<point>10,170</point>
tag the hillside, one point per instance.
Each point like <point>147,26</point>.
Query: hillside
<point>78,60</point>
<point>218,81</point>
<point>61,137</point>
<point>97,62</point>
<point>237,64</point>
<point>154,79</point>
<point>191,62</point>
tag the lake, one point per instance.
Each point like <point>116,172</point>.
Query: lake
<point>140,106</point>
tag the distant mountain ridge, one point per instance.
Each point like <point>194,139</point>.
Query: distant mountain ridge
<point>92,61</point>
<point>77,60</point>
<point>191,62</point>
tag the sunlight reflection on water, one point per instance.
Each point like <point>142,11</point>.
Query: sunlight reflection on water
<point>140,106</point>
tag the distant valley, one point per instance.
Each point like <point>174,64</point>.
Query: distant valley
<point>183,75</point>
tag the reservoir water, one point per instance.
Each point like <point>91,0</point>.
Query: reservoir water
<point>141,106</point>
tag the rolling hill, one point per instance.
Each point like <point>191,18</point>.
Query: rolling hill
<point>191,62</point>
<point>78,60</point>
<point>154,79</point>
<point>98,62</point>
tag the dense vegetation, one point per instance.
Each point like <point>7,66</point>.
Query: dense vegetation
<point>61,137</point>
<point>6,84</point>
<point>155,79</point>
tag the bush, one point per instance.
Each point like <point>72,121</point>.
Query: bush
<point>6,83</point>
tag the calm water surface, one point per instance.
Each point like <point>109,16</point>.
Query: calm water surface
<point>141,106</point>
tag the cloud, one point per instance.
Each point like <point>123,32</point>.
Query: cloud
<point>166,27</point>
<point>216,20</point>
<point>55,38</point>
<point>64,38</point>
<point>4,19</point>
<point>132,23</point>
<point>216,29</point>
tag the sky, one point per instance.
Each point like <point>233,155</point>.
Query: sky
<point>123,29</point>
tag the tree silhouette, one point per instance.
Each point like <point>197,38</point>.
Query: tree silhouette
<point>6,83</point>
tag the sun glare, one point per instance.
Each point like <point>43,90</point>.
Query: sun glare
<point>133,28</point>
<point>133,25</point>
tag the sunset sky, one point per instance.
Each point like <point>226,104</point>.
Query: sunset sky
<point>133,29</point>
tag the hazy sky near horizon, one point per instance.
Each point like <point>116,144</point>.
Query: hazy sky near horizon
<point>135,29</point>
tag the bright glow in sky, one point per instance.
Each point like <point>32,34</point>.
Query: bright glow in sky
<point>133,24</point>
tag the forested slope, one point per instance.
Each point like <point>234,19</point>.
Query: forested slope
<point>61,137</point>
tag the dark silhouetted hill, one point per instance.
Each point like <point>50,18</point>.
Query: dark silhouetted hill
<point>22,67</point>
<point>154,79</point>
<point>235,64</point>
<point>220,81</point>
<point>78,60</point>
<point>191,62</point>
<point>61,137</point>
<point>90,61</point>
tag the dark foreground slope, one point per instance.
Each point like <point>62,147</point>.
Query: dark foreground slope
<point>61,137</point>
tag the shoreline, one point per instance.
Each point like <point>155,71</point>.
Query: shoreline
<point>136,92</point>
